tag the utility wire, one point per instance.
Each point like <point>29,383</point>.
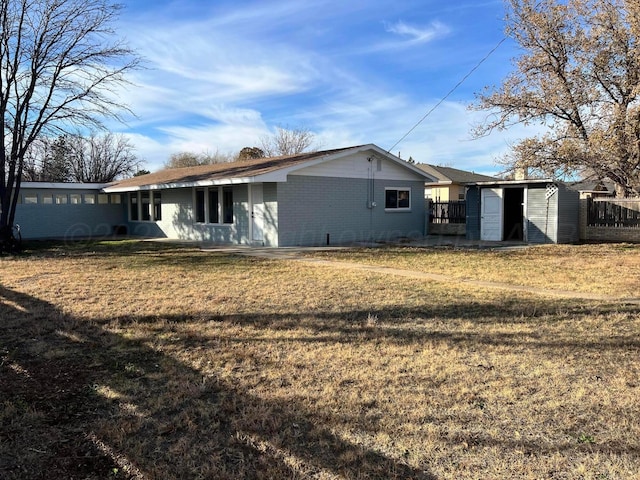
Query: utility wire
<point>448,94</point>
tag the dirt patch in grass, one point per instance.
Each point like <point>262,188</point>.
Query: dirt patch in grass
<point>166,362</point>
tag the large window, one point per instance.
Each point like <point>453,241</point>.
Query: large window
<point>214,205</point>
<point>397,198</point>
<point>133,204</point>
<point>200,206</point>
<point>143,206</point>
<point>146,206</point>
<point>157,206</point>
<point>227,205</point>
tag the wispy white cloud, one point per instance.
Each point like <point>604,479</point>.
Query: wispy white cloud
<point>418,35</point>
<point>222,74</point>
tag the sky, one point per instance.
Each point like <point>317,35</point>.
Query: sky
<point>220,75</point>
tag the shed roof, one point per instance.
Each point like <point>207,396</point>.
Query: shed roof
<point>244,171</point>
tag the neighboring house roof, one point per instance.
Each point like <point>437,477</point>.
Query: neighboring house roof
<point>595,186</point>
<point>453,175</point>
<point>270,169</point>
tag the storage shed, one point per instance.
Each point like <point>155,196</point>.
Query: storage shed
<point>531,211</point>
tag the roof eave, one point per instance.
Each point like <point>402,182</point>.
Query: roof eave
<point>512,182</point>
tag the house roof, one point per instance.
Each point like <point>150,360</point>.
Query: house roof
<point>594,186</point>
<point>453,175</point>
<point>244,171</point>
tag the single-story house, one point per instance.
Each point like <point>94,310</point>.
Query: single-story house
<point>533,211</point>
<point>450,184</point>
<point>68,210</point>
<point>355,194</point>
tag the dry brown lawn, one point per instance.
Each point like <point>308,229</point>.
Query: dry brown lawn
<point>139,360</point>
<point>612,269</point>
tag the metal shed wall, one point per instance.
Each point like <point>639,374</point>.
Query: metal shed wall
<point>541,215</point>
<point>568,214</point>
<point>473,213</point>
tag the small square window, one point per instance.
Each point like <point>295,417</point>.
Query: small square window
<point>75,198</point>
<point>89,199</point>
<point>103,198</point>
<point>47,199</point>
<point>30,198</point>
<point>61,199</point>
<point>397,199</point>
<point>116,198</point>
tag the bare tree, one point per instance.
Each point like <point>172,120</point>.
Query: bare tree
<point>101,158</point>
<point>47,160</point>
<point>58,69</point>
<point>288,142</point>
<point>191,159</point>
<point>579,74</point>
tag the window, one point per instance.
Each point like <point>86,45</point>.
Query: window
<point>116,198</point>
<point>89,199</point>
<point>133,206</point>
<point>103,198</point>
<point>146,206</point>
<point>61,199</point>
<point>214,206</point>
<point>75,198</point>
<point>397,198</point>
<point>157,206</point>
<point>200,205</point>
<point>47,199</point>
<point>227,205</point>
<point>30,198</point>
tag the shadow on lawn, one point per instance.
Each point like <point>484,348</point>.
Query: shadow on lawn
<point>433,323</point>
<point>81,402</point>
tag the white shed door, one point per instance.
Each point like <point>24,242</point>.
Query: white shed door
<point>491,214</point>
<point>257,213</point>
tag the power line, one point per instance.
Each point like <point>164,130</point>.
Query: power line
<point>449,93</point>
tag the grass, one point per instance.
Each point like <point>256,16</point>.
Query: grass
<point>612,269</point>
<point>141,360</point>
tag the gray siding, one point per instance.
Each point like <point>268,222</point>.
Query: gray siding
<point>312,208</point>
<point>473,213</point>
<point>67,221</point>
<point>270,198</point>
<point>542,215</point>
<point>568,214</point>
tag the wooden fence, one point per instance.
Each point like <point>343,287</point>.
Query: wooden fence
<point>447,212</point>
<point>621,213</point>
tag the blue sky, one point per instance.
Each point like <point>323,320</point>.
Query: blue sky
<point>221,75</point>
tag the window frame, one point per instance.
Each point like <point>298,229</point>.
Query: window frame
<point>397,207</point>
<point>145,206</point>
<point>143,199</point>
<point>30,198</point>
<point>213,213</point>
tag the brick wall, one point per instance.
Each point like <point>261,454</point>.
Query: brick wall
<point>447,229</point>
